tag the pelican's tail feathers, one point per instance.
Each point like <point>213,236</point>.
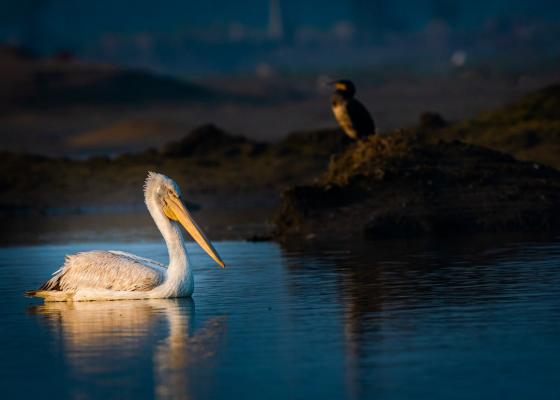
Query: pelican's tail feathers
<point>51,295</point>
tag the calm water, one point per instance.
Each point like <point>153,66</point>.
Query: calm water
<point>476,318</point>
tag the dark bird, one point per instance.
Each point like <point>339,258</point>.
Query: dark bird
<point>351,115</point>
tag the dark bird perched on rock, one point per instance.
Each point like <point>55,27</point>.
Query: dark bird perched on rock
<point>351,115</point>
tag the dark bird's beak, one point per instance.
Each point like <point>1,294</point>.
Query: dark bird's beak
<point>339,85</point>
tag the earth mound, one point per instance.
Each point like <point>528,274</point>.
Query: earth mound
<point>401,187</point>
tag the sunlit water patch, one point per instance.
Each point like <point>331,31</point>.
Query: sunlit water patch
<point>390,320</point>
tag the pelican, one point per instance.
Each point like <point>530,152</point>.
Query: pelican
<point>351,115</point>
<point>116,275</point>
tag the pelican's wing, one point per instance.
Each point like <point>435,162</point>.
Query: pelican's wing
<point>111,270</point>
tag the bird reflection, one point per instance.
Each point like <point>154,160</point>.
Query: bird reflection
<point>182,350</point>
<point>108,338</point>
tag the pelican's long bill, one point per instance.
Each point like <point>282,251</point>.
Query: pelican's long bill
<point>176,210</point>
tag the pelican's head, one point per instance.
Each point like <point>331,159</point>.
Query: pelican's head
<point>166,194</point>
<point>344,87</point>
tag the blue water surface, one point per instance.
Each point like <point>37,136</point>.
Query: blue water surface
<point>386,320</point>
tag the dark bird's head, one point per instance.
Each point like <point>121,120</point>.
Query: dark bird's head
<point>345,88</point>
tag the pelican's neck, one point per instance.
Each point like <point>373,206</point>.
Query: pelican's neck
<point>178,270</point>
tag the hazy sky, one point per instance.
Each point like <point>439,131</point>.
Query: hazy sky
<point>73,22</point>
<point>161,33</point>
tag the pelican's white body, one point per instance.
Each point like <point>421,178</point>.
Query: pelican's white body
<point>115,275</point>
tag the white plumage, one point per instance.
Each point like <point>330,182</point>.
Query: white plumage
<point>116,275</point>
<point>107,270</point>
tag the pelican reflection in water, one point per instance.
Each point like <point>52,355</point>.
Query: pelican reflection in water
<point>99,338</point>
<point>116,275</point>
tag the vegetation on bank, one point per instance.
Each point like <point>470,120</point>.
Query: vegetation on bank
<point>528,129</point>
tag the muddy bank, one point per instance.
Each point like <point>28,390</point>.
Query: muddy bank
<point>403,187</point>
